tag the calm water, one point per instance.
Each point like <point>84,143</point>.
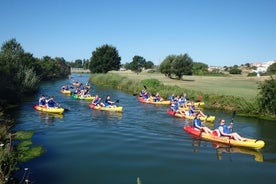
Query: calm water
<point>88,146</point>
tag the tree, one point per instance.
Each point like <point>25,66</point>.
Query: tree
<point>272,68</point>
<point>235,70</point>
<point>266,96</point>
<point>166,66</point>
<point>17,75</point>
<point>199,68</point>
<point>137,64</point>
<point>149,65</point>
<point>104,59</point>
<point>182,65</point>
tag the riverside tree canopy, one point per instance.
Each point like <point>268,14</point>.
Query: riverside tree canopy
<point>104,59</point>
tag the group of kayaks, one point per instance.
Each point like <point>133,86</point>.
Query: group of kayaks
<point>214,137</point>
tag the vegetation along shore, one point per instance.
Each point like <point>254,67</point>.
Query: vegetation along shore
<point>240,94</point>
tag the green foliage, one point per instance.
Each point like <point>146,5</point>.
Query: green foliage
<point>137,64</point>
<point>178,65</point>
<point>272,68</point>
<point>212,101</point>
<point>199,68</point>
<point>22,135</point>
<point>235,70</point>
<point>149,65</point>
<point>266,96</point>
<point>166,66</point>
<point>78,63</point>
<point>104,59</point>
<point>20,72</point>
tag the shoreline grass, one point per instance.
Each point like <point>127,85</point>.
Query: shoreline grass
<point>229,98</point>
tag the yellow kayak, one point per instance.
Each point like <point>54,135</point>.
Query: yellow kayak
<point>58,110</point>
<point>208,118</point>
<point>197,104</point>
<point>83,97</point>
<point>150,101</point>
<point>67,92</point>
<point>117,108</point>
<point>248,143</point>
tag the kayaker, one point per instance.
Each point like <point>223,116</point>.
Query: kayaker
<point>198,125</point>
<point>108,102</point>
<point>182,101</point>
<point>175,107</point>
<point>157,98</point>
<point>97,101</point>
<point>65,87</point>
<point>144,93</point>
<point>171,98</point>
<point>193,111</point>
<point>42,101</point>
<point>225,131</point>
<point>51,103</point>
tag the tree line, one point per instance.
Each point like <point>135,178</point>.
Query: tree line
<point>21,72</point>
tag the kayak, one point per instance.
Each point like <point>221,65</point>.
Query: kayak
<point>248,143</point>
<point>197,104</point>
<point>96,107</point>
<point>67,92</point>
<point>57,110</point>
<point>150,101</point>
<point>83,97</point>
<point>208,118</point>
<point>77,84</point>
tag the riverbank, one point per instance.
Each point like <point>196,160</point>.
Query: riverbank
<point>15,147</point>
<point>229,94</point>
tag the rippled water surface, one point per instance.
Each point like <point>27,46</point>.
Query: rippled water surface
<point>89,146</point>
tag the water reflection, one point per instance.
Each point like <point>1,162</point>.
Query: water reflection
<point>221,149</point>
<point>226,151</point>
<point>49,118</point>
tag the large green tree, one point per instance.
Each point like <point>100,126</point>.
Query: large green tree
<point>166,66</point>
<point>17,76</point>
<point>178,65</point>
<point>137,64</point>
<point>104,59</point>
<point>182,65</point>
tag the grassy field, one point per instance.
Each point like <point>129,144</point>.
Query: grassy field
<point>239,86</point>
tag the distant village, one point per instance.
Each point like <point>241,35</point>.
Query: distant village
<point>259,67</point>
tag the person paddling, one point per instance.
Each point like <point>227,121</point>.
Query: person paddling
<point>42,101</point>
<point>51,103</point>
<point>225,131</point>
<point>108,102</point>
<point>198,125</point>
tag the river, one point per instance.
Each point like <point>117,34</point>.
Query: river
<point>142,143</point>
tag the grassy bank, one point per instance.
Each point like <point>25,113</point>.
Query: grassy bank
<point>239,102</point>
<point>237,85</point>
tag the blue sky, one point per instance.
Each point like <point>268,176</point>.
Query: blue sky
<point>215,32</point>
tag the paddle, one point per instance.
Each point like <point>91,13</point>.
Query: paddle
<point>117,101</point>
<point>232,120</point>
<point>65,108</point>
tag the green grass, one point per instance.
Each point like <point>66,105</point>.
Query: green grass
<point>239,86</point>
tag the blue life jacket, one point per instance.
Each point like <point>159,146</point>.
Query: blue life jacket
<point>196,122</point>
<point>42,102</point>
<point>51,103</point>
<point>225,129</point>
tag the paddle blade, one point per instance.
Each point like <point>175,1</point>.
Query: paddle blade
<point>117,101</point>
